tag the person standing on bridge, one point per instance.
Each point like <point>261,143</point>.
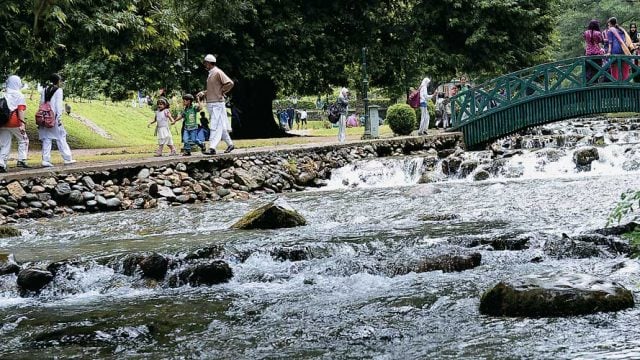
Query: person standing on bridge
<point>617,46</point>
<point>593,46</point>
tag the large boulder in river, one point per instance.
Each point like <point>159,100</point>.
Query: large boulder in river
<point>555,295</point>
<point>270,216</point>
<point>33,279</point>
<point>8,264</point>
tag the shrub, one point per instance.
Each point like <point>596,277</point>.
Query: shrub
<point>401,119</point>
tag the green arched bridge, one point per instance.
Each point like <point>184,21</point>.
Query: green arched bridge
<point>543,94</point>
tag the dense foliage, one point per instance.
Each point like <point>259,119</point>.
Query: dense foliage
<point>305,47</point>
<point>401,119</point>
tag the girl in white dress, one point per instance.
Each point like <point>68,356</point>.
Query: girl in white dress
<point>162,119</point>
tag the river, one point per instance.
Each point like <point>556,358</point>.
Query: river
<point>340,302</point>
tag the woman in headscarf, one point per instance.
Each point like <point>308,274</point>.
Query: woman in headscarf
<point>16,125</point>
<point>343,104</point>
<point>53,94</point>
<point>424,109</point>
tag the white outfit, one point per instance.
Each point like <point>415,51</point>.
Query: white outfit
<point>343,101</point>
<point>57,132</point>
<point>162,128</point>
<point>424,109</point>
<point>14,98</point>
<point>218,122</point>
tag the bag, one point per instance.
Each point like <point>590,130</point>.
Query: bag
<point>414,99</point>
<point>5,113</point>
<point>333,113</point>
<point>45,116</point>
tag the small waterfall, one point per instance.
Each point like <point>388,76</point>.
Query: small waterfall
<point>378,173</point>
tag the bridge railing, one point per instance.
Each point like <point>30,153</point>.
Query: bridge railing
<point>539,81</point>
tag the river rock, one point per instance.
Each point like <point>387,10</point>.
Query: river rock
<point>481,175</point>
<point>8,265</point>
<point>62,191</point>
<point>9,231</point>
<point>555,295</point>
<point>154,266</point>
<point>444,263</point>
<point>566,247</point>
<point>215,272</point>
<point>584,156</point>
<point>270,216</point>
<point>33,279</point>
<point>289,254</point>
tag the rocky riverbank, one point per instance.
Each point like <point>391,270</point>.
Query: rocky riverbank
<point>228,177</point>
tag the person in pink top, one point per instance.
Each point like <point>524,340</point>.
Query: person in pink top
<point>593,46</point>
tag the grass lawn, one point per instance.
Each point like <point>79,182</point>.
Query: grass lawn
<point>130,138</point>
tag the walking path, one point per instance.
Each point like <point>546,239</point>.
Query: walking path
<point>98,165</point>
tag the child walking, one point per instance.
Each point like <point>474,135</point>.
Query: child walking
<point>162,119</point>
<point>190,132</point>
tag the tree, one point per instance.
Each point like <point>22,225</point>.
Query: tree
<point>304,46</point>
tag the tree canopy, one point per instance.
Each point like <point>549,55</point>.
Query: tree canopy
<point>302,46</point>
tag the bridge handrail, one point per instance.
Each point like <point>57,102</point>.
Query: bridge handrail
<point>539,81</point>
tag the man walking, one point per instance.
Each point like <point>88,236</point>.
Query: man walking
<point>218,85</point>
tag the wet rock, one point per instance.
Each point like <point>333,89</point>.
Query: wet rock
<point>550,155</point>
<point>440,217</point>
<point>8,264</point>
<point>481,175</point>
<point>144,174</point>
<point>270,216</point>
<point>584,156</point>
<point>444,263</point>
<point>508,242</point>
<point>289,254</point>
<point>130,263</point>
<point>209,252</point>
<point>555,295</point>
<point>154,266</point>
<point>613,244</point>
<point>9,231</point>
<point>573,249</point>
<point>33,279</point>
<point>215,272</point>
<point>75,197</point>
<point>467,167</point>
<point>618,230</point>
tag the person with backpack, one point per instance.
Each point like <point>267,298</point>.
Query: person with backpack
<point>15,125</point>
<point>53,96</point>
<point>343,105</point>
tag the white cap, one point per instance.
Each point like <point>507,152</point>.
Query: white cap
<point>210,58</point>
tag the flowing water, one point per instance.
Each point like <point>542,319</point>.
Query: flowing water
<point>342,301</point>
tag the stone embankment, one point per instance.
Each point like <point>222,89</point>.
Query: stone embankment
<point>139,184</point>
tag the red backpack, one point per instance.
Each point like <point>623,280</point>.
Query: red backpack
<point>45,116</point>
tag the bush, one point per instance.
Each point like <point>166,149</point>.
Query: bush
<point>401,119</point>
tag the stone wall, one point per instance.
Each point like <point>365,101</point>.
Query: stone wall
<point>192,180</point>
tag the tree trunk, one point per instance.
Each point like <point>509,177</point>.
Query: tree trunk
<point>252,114</point>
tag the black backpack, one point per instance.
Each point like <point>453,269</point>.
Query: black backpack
<point>333,112</point>
<point>5,113</point>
